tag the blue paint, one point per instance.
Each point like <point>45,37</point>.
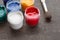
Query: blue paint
<point>5,1</point>
<point>13,6</point>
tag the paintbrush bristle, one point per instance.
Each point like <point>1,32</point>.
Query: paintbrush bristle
<point>48,17</point>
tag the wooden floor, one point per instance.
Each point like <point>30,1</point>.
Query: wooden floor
<point>44,30</point>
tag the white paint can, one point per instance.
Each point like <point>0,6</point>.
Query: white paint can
<point>15,19</point>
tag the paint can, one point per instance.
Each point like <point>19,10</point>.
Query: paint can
<point>3,15</point>
<point>32,16</point>
<point>26,3</point>
<point>15,19</point>
<point>13,6</point>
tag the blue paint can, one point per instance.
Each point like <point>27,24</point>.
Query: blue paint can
<point>5,1</point>
<point>13,6</point>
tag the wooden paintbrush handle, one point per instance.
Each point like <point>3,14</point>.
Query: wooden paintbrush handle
<point>45,7</point>
<point>46,13</point>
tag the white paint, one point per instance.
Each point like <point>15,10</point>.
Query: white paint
<point>15,19</point>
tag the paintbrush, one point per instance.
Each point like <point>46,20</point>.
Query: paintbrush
<point>47,15</point>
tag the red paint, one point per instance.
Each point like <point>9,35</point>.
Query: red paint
<point>32,16</point>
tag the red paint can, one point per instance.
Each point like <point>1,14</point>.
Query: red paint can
<point>32,15</point>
